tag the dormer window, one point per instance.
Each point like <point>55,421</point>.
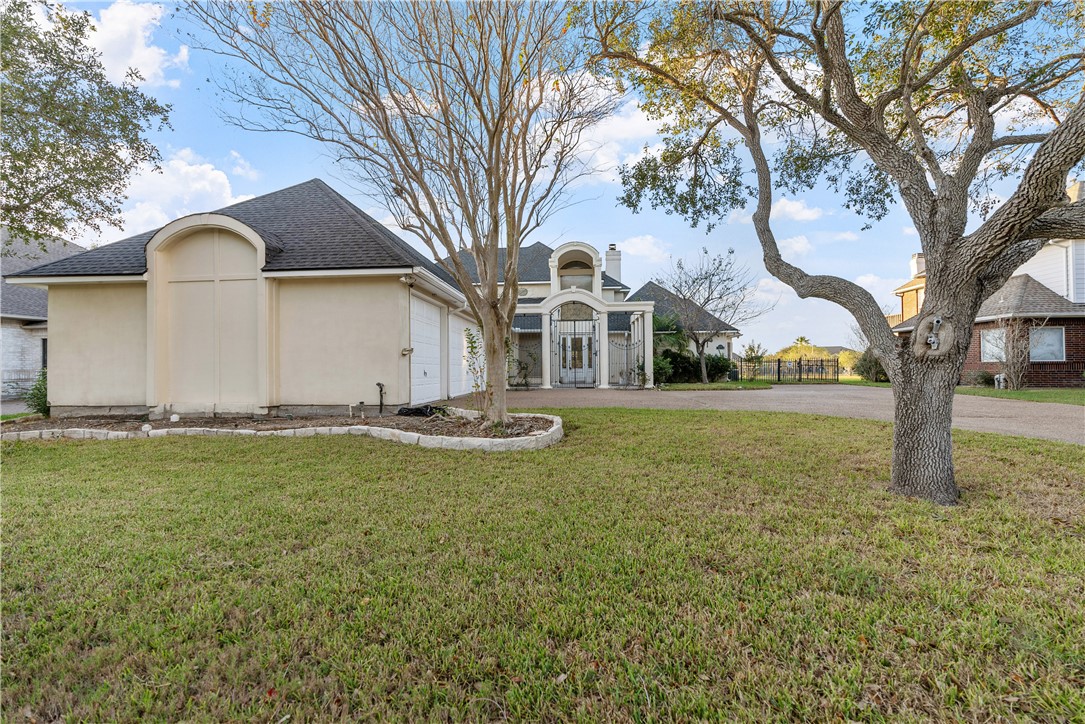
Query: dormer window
<point>575,274</point>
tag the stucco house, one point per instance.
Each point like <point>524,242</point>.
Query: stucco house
<point>1047,293</point>
<point>668,305</point>
<point>298,302</point>
<point>575,325</point>
<point>24,311</point>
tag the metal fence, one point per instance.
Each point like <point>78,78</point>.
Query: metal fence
<point>797,370</point>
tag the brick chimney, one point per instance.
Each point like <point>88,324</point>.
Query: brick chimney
<point>614,262</point>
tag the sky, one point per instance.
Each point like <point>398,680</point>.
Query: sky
<point>208,164</point>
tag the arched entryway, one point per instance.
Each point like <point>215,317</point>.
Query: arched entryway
<point>575,338</point>
<point>208,322</point>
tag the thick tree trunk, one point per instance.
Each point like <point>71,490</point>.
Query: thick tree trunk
<point>496,410</point>
<point>922,445</point>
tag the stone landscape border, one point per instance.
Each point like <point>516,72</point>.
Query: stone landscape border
<point>535,441</point>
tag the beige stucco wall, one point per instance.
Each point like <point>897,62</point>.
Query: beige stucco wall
<point>97,344</point>
<point>338,337</point>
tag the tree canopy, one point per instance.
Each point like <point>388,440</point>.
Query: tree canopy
<point>70,138</point>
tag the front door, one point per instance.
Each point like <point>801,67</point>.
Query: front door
<point>577,360</point>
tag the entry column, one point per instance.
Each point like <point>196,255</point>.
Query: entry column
<point>546,357</point>
<point>603,373</point>
<point>649,338</point>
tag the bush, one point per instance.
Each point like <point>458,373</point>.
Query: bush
<point>661,370</point>
<point>869,368</point>
<point>37,397</point>
<point>718,366</point>
<point>684,368</point>
<point>981,378</point>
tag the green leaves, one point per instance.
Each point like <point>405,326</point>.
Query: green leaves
<point>71,139</point>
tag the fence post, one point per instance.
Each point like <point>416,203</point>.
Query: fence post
<point>777,369</point>
<point>800,369</point>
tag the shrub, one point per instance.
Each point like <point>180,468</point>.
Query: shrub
<point>869,368</point>
<point>981,378</point>
<point>684,368</point>
<point>661,370</point>
<point>37,397</point>
<point>718,366</point>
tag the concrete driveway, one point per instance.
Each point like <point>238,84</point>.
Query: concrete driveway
<point>1046,420</point>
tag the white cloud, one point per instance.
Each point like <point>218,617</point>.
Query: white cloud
<point>795,210</point>
<point>909,231</point>
<point>771,289</point>
<point>243,168</point>
<point>646,246</point>
<point>845,236</point>
<point>188,184</point>
<point>880,288</point>
<point>795,245</point>
<point>618,140</point>
<point>123,36</point>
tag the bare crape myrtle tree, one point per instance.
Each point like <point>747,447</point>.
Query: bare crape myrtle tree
<point>466,120</point>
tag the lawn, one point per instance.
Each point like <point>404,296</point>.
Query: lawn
<point>655,565</point>
<point>740,385</point>
<point>15,415</point>
<point>1063,395</point>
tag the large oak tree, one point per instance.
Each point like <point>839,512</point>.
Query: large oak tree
<point>466,120</point>
<point>928,103</point>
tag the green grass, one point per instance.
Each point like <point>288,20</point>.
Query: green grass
<point>739,385</point>
<point>1064,395</point>
<point>15,415</point>
<point>655,565</point>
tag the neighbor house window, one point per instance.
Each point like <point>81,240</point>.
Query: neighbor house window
<point>1047,344</point>
<point>992,345</point>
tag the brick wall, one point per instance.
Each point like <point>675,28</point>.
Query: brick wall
<point>1040,374</point>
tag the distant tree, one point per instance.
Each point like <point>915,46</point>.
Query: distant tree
<point>848,359</point>
<point>70,139</point>
<point>714,294</point>
<point>802,347</point>
<point>929,103</point>
<point>754,353</point>
<point>465,119</point>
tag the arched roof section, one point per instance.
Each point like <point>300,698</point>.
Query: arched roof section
<point>184,226</point>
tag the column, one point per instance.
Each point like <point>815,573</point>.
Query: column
<point>603,372</point>
<point>649,353</point>
<point>546,357</point>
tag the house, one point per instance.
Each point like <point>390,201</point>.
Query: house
<point>24,333</point>
<point>669,306</point>
<point>298,302</point>
<point>1047,293</point>
<point>575,325</point>
<point>295,301</point>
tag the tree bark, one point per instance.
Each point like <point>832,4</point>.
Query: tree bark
<point>704,365</point>
<point>922,443</point>
<point>493,335</point>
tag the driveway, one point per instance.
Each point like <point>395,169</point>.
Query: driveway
<point>1046,420</point>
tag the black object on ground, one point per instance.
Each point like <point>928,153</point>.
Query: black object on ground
<point>421,411</point>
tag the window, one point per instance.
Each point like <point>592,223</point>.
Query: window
<point>44,353</point>
<point>992,345</point>
<point>1047,344</point>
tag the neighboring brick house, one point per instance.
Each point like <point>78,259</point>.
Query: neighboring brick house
<point>23,314</point>
<point>1047,293</point>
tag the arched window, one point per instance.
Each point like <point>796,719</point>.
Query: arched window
<point>575,274</point>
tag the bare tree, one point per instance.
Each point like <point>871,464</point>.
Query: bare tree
<point>1015,349</point>
<point>712,295</point>
<point>926,102</point>
<point>465,119</point>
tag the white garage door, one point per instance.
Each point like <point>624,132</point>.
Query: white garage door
<point>460,381</point>
<point>426,358</point>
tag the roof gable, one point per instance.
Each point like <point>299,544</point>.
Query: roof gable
<point>27,302</point>
<point>669,304</point>
<point>308,226</point>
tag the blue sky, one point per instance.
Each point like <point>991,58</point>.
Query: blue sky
<point>209,164</point>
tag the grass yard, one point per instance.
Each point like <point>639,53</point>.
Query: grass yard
<point>739,385</point>
<point>15,415</point>
<point>656,564</point>
<point>1064,395</point>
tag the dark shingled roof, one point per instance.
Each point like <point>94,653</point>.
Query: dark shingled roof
<point>305,227</point>
<point>532,266</point>
<point>1020,296</point>
<point>27,302</point>
<point>667,304</point>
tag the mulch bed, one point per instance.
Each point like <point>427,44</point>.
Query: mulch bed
<point>448,426</point>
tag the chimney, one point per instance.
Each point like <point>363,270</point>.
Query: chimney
<point>918,265</point>
<point>614,262</point>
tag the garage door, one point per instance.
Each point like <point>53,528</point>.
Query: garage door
<point>426,358</point>
<point>459,377</point>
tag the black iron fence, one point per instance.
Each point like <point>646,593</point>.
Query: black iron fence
<point>785,370</point>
